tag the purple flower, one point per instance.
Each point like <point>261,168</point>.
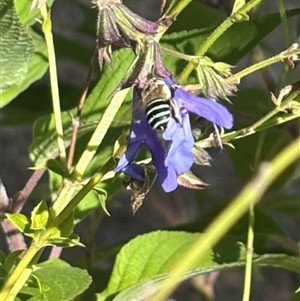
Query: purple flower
<point>172,155</point>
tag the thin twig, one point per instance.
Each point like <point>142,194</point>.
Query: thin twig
<point>76,120</point>
<point>56,251</point>
<point>22,196</point>
<point>162,6</point>
<point>15,240</point>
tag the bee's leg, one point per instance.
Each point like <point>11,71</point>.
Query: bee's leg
<point>175,111</point>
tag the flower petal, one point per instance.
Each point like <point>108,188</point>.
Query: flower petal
<point>170,182</point>
<point>135,171</point>
<point>205,108</point>
<point>179,154</point>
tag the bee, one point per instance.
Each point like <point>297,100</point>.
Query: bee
<point>157,98</point>
<point>140,189</point>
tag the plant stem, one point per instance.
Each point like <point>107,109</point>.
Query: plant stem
<point>20,274</point>
<point>249,256</point>
<point>217,33</point>
<point>251,221</point>
<point>22,271</point>
<point>272,60</point>
<point>251,194</point>
<point>99,133</point>
<point>47,29</point>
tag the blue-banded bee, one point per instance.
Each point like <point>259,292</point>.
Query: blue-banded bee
<point>157,97</point>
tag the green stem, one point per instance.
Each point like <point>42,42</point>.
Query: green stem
<point>47,29</point>
<point>68,209</point>
<point>249,256</point>
<point>272,60</point>
<point>258,125</point>
<point>251,194</point>
<point>99,133</point>
<point>20,274</point>
<point>251,221</point>
<point>176,8</point>
<point>89,152</point>
<point>22,271</point>
<point>217,33</point>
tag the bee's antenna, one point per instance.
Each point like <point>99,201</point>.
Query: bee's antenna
<point>151,185</point>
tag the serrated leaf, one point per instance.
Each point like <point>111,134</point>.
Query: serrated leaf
<point>144,263</point>
<point>64,281</point>
<point>20,221</point>
<point>146,288</point>
<point>16,48</point>
<point>148,255</point>
<point>39,216</point>
<point>37,67</point>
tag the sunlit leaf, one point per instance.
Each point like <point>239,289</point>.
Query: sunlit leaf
<point>64,281</point>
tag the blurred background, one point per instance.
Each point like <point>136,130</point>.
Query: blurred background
<point>76,21</point>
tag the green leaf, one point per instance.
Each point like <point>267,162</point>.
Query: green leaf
<point>11,260</point>
<point>86,206</point>
<point>148,287</point>
<point>149,255</point>
<point>44,145</point>
<point>20,221</point>
<point>56,166</point>
<point>26,15</point>
<point>197,15</point>
<point>65,229</point>
<point>39,216</point>
<point>146,260</point>
<point>102,197</point>
<point>16,49</point>
<point>63,281</point>
<point>71,241</point>
<point>36,68</point>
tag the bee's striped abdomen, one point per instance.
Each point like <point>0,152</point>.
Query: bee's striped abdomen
<point>158,113</point>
